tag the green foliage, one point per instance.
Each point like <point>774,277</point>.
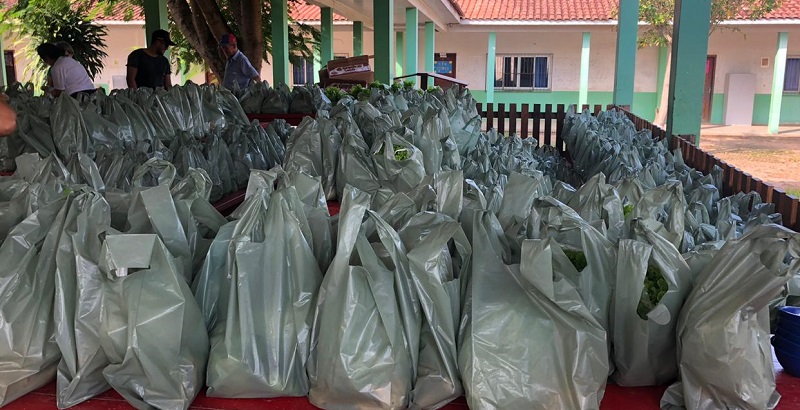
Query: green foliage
<point>578,259</point>
<point>303,38</point>
<point>35,22</point>
<point>655,287</point>
<point>408,84</point>
<point>659,15</point>
<point>627,210</point>
<point>401,153</point>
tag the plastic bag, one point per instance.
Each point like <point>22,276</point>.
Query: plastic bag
<point>556,358</point>
<point>724,351</point>
<point>28,351</point>
<point>77,310</point>
<point>644,351</point>
<point>152,330</point>
<point>436,276</point>
<point>365,341</point>
<point>260,339</point>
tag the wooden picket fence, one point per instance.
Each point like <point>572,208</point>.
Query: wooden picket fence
<point>546,125</point>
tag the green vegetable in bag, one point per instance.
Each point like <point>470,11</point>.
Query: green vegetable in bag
<point>655,287</point>
<point>401,153</point>
<point>627,210</point>
<point>577,258</point>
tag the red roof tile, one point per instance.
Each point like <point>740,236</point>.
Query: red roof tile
<point>550,10</point>
<point>573,10</point>
<point>307,12</point>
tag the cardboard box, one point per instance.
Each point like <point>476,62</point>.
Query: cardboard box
<point>347,66</point>
<point>352,70</point>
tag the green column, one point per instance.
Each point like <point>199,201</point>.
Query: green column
<point>155,17</point>
<point>399,53</point>
<point>430,46</point>
<point>317,64</point>
<point>383,15</point>
<point>625,66</point>
<point>412,41</point>
<point>490,57</point>
<point>3,75</point>
<point>663,54</point>
<point>777,83</point>
<point>583,90</point>
<point>358,38</point>
<point>280,42</point>
<point>326,34</point>
<point>687,71</point>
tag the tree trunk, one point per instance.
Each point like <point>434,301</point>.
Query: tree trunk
<point>252,44</point>
<point>661,110</point>
<point>213,16</point>
<point>197,34</point>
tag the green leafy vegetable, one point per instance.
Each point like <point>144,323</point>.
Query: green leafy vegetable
<point>655,287</point>
<point>401,153</point>
<point>627,210</point>
<point>577,258</point>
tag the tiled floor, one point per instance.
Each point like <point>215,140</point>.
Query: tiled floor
<point>616,398</point>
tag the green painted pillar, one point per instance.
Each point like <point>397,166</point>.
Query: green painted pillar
<point>358,38</point>
<point>491,52</point>
<point>3,75</point>
<point>155,17</point>
<point>777,83</point>
<point>317,64</point>
<point>583,90</point>
<point>687,71</point>
<point>663,54</point>
<point>280,42</point>
<point>430,47</point>
<point>625,66</point>
<point>326,34</point>
<point>399,53</point>
<point>412,41</point>
<point>383,15</point>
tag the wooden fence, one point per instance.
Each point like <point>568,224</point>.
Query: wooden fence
<point>546,124</point>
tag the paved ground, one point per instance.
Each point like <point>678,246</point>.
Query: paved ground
<point>774,158</point>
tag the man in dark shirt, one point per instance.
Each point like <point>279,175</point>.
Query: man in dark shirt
<point>148,67</point>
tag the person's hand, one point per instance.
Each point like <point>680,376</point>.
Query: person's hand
<point>4,98</point>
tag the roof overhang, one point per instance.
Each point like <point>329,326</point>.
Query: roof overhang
<point>441,12</point>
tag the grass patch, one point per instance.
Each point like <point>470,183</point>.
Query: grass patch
<point>794,192</point>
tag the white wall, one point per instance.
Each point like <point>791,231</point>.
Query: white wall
<point>741,53</point>
<point>565,48</point>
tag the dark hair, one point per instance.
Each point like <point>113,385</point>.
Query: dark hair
<point>49,51</point>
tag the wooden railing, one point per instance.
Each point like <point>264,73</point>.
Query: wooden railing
<point>541,121</point>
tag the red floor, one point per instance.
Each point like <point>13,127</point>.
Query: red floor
<point>616,398</point>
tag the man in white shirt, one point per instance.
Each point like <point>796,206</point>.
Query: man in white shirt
<point>69,76</point>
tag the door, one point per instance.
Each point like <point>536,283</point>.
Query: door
<point>11,68</point>
<point>708,88</point>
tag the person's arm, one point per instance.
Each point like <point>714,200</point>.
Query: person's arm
<point>167,81</point>
<point>8,119</point>
<point>250,72</point>
<point>133,69</point>
<point>130,78</point>
<point>59,83</point>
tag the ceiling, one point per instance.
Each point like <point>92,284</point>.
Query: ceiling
<point>441,12</point>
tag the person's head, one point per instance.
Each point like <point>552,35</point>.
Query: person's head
<point>49,53</point>
<point>160,41</point>
<point>68,50</point>
<point>228,44</point>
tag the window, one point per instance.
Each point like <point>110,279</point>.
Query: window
<point>791,80</point>
<point>303,73</point>
<point>522,72</point>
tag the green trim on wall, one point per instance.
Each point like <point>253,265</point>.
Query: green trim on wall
<point>790,109</point>
<point>717,109</point>
<point>643,103</point>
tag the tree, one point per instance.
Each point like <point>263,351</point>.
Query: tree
<point>658,15</point>
<point>33,22</point>
<point>197,25</point>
